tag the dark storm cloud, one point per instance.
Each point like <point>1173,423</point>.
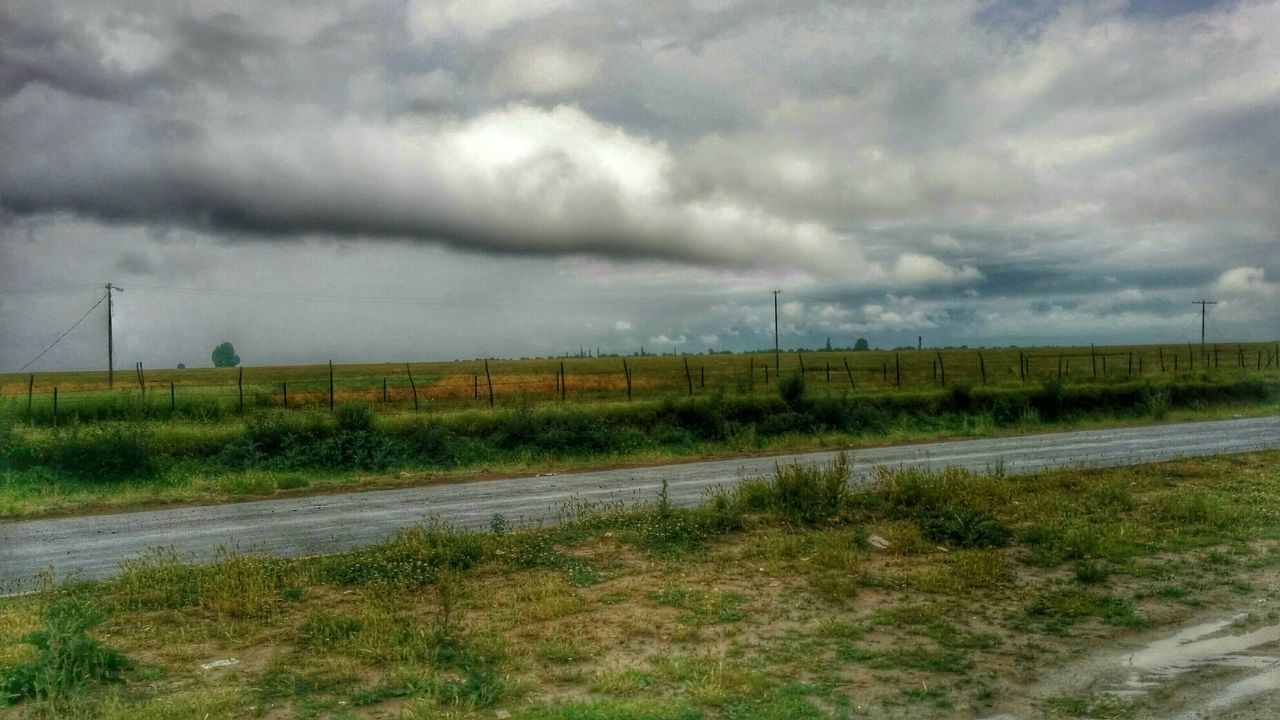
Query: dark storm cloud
<point>888,164</point>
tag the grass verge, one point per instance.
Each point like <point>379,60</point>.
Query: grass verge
<point>752,605</point>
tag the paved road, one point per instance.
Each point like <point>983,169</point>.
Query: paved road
<point>91,547</point>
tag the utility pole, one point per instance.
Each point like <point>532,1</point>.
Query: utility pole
<point>1203,304</point>
<point>777,355</point>
<point>111,351</point>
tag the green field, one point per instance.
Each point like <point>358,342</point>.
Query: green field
<point>792,597</point>
<point>112,450</point>
<point>213,393</point>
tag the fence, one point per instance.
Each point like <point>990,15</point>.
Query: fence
<point>214,393</point>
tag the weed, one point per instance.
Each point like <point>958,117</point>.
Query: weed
<point>67,658</point>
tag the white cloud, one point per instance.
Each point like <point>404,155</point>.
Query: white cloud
<point>1245,280</point>
<point>917,269</point>
<point>622,326</point>
<point>545,69</point>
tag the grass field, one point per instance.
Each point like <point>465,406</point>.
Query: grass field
<point>928,595</point>
<point>213,394</point>
<point>117,451</point>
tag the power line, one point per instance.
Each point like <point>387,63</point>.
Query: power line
<point>39,291</point>
<point>73,327</point>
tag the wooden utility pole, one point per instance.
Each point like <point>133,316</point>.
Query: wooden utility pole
<point>777,355</point>
<point>1203,305</point>
<point>111,350</point>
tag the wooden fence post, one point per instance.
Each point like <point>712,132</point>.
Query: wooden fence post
<point>828,372</point>
<point>284,391</point>
<point>801,356</point>
<point>897,370</point>
<point>626,372</point>
<point>884,373</point>
<point>173,398</point>
<point>1130,363</point>
<point>31,386</point>
<point>489,379</point>
<point>688,377</point>
<point>240,387</point>
<point>1059,366</point>
<point>55,406</point>
<point>702,377</point>
<point>564,382</point>
<point>1161,350</point>
<point>1022,367</point>
<point>142,382</point>
<point>766,374</point>
<point>848,372</point>
<point>982,368</point>
<point>942,369</point>
<point>475,386</point>
<point>1093,360</point>
<point>384,390</point>
<point>412,385</point>
<point>751,375</point>
<point>330,386</point>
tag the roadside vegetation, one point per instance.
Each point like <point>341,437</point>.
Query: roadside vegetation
<point>925,594</point>
<point>101,464</point>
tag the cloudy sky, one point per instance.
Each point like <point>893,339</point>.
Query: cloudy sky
<point>430,179</point>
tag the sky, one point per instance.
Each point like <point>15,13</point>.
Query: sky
<point>370,180</point>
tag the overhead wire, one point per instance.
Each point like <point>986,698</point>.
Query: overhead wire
<point>68,332</point>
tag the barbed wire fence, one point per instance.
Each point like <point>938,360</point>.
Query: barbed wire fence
<point>511,384</point>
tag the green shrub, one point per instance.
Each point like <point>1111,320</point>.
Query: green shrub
<point>791,388</point>
<point>355,416</point>
<point>67,659</point>
<point>104,453</point>
<point>801,494</point>
<point>966,529</point>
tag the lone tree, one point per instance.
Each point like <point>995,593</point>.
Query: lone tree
<point>225,356</point>
<point>862,344</point>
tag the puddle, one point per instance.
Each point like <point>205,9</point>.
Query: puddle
<point>1199,647</point>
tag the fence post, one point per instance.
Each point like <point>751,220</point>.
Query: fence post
<point>1022,367</point>
<point>489,379</point>
<point>942,369</point>
<point>766,374</point>
<point>31,386</point>
<point>564,382</point>
<point>848,372</point>
<point>626,372</point>
<point>1130,363</point>
<point>284,387</point>
<point>801,356</point>
<point>897,370</point>
<point>413,386</point>
<point>1161,350</point>
<point>142,383</point>
<point>1068,367</point>
<point>982,368</point>
<point>240,388</point>
<point>702,377</point>
<point>173,398</point>
<point>475,386</point>
<point>828,372</point>
<point>688,377</point>
<point>1093,360</point>
<point>1059,366</point>
<point>55,406</point>
<point>384,390</point>
<point>331,386</point>
<point>884,373</point>
<point>751,373</point>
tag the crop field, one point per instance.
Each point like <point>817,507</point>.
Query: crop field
<point>942,594</point>
<point>214,393</point>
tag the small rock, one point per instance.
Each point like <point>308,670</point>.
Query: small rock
<point>501,714</point>
<point>878,541</point>
<point>227,662</point>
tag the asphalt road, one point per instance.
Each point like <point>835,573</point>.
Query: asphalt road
<point>92,547</point>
